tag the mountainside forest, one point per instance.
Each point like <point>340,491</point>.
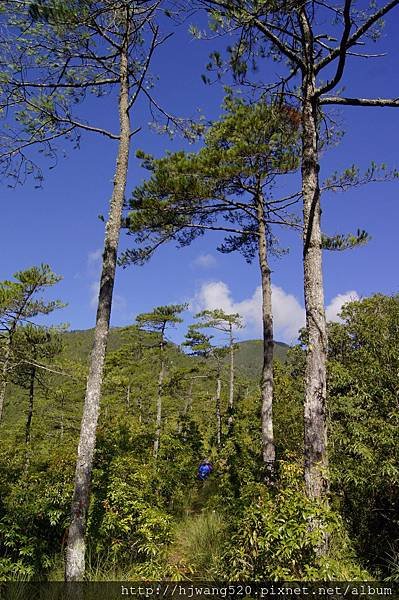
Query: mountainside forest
<point>150,518</point>
<point>171,176</point>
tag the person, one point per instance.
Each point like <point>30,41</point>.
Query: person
<point>204,470</point>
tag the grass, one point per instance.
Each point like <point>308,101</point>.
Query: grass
<point>198,546</point>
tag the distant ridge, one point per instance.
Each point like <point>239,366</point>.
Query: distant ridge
<point>248,356</point>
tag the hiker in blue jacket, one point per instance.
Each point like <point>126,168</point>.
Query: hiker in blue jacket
<point>204,470</point>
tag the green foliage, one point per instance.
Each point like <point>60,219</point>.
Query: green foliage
<point>364,362</point>
<point>34,512</point>
<point>345,242</point>
<point>273,537</point>
<point>18,299</point>
<point>153,519</point>
<point>198,546</point>
<point>160,317</point>
<point>219,187</point>
<point>133,527</point>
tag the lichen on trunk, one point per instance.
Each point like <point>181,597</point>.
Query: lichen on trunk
<point>266,382</point>
<point>315,424</point>
<point>75,554</point>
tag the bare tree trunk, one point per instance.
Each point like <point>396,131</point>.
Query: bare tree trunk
<point>75,554</point>
<point>231,386</point>
<point>189,401</point>
<point>62,417</point>
<point>30,405</point>
<point>128,396</point>
<point>268,448</point>
<point>159,403</point>
<point>218,413</point>
<point>3,381</point>
<point>29,417</point>
<point>186,410</point>
<point>315,423</point>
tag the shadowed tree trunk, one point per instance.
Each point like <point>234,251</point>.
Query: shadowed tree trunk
<point>268,449</point>
<point>30,405</point>
<point>75,554</point>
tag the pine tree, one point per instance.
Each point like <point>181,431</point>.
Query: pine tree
<point>20,302</point>
<point>313,40</point>
<point>225,187</point>
<point>157,322</point>
<point>200,345</point>
<point>54,54</point>
<point>35,349</point>
<point>226,324</point>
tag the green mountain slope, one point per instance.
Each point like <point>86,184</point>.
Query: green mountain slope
<point>249,356</point>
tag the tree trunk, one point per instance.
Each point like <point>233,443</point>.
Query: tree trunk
<point>315,425</point>
<point>128,396</point>
<point>75,554</point>
<point>266,384</point>
<point>62,417</point>
<point>231,386</point>
<point>30,406</point>
<point>218,413</point>
<point>159,404</point>
<point>186,411</point>
<point>189,401</point>
<point>3,382</point>
<point>29,418</point>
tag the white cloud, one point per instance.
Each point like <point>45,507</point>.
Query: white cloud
<point>334,308</point>
<point>205,261</point>
<point>287,312</point>
<point>288,315</point>
<point>94,257</point>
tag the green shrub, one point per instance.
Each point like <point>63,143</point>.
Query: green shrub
<point>277,533</point>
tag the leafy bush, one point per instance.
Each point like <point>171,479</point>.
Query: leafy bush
<point>33,518</point>
<point>274,536</point>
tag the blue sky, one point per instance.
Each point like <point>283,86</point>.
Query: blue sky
<point>59,223</point>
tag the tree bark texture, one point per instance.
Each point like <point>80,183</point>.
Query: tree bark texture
<point>266,383</point>
<point>315,424</point>
<point>218,412</point>
<point>28,425</point>
<point>75,553</point>
<point>159,403</point>
<point>3,382</point>
<point>189,401</point>
<point>30,405</point>
<point>231,383</point>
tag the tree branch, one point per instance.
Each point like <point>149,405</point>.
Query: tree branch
<point>358,33</point>
<point>280,45</point>
<point>342,51</point>
<point>382,102</point>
